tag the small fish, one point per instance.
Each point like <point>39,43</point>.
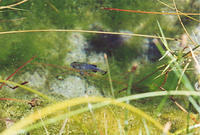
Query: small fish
<point>85,67</point>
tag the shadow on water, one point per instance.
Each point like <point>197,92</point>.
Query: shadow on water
<point>153,52</point>
<point>114,46</point>
<point>104,43</point>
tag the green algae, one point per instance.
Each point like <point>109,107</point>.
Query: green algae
<point>51,47</point>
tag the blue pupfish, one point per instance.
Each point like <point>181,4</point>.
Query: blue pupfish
<point>85,67</point>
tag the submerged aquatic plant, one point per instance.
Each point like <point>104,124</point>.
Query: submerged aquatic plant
<point>40,28</point>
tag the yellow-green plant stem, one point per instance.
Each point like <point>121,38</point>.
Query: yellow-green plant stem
<point>28,89</point>
<point>130,84</point>
<point>99,105</point>
<point>48,110</point>
<point>84,31</point>
<point>16,128</point>
<point>128,94</point>
<point>185,129</point>
<point>109,76</point>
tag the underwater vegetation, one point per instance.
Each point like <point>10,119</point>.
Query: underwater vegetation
<point>99,67</point>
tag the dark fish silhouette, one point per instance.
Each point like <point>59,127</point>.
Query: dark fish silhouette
<point>85,67</point>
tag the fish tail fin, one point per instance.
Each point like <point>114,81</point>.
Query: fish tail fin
<point>103,72</point>
<point>94,71</point>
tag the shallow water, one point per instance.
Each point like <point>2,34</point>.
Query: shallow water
<point>50,71</point>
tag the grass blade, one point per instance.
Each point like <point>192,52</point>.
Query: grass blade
<point>99,105</point>
<point>28,89</point>
<point>109,76</point>
<point>146,127</point>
